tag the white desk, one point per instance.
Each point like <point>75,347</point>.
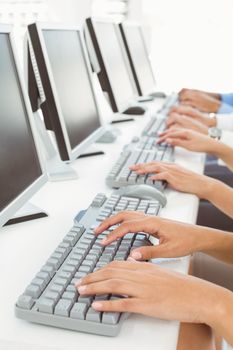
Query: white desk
<point>25,247</point>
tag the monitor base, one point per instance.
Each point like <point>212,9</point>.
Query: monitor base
<point>91,152</point>
<point>26,213</point>
<point>58,170</point>
<point>146,98</point>
<point>158,94</point>
<point>122,120</point>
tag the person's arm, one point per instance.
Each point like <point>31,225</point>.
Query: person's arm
<point>198,99</point>
<point>176,120</point>
<point>157,292</point>
<point>215,95</point>
<point>184,180</point>
<point>194,114</point>
<point>194,141</point>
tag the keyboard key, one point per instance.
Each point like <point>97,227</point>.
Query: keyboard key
<point>70,296</point>
<point>110,317</point>
<point>93,315</point>
<point>25,302</point>
<point>45,305</point>
<point>85,300</point>
<point>55,296</point>
<point>63,307</point>
<point>79,311</point>
<point>39,282</point>
<point>33,291</point>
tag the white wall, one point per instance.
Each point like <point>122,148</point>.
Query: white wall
<point>192,42</point>
<point>70,10</point>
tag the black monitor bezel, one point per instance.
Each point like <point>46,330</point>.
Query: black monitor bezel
<point>51,108</point>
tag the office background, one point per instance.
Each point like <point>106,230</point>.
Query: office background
<point>191,43</point>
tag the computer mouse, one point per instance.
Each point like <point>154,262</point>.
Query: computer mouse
<point>143,192</point>
<point>136,110</point>
<point>135,139</point>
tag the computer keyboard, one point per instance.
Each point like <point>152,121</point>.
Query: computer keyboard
<point>157,123</point>
<point>52,298</point>
<point>141,150</point>
<point>155,126</point>
<point>170,101</point>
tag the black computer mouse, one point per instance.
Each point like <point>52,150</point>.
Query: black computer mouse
<point>136,110</point>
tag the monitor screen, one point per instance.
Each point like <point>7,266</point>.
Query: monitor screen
<point>115,63</point>
<point>72,83</point>
<point>140,58</point>
<point>19,163</point>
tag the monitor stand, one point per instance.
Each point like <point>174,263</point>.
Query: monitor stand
<point>26,213</point>
<point>121,118</point>
<point>57,170</point>
<point>91,152</point>
<point>152,96</point>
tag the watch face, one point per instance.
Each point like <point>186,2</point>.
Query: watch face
<point>215,133</point>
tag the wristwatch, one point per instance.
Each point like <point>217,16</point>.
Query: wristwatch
<point>213,119</point>
<point>215,133</point>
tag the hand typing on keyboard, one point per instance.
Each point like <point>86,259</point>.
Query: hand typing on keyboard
<point>151,290</point>
<point>173,238</point>
<point>177,177</point>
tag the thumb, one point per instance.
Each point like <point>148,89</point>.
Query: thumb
<point>147,253</point>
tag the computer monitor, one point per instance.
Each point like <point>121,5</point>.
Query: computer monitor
<point>113,66</point>
<point>21,173</point>
<point>70,109</point>
<point>133,38</point>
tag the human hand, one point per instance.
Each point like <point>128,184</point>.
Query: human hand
<point>194,114</point>
<point>176,120</point>
<point>175,239</point>
<point>177,177</point>
<point>153,291</point>
<point>189,139</point>
<point>199,99</point>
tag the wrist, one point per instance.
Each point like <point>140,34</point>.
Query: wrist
<point>220,313</point>
<point>208,187</point>
<point>212,120</point>
<point>215,106</point>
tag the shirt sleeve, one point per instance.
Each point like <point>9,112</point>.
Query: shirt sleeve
<point>226,103</point>
<point>224,121</point>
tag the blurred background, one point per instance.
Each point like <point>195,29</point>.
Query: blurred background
<point>189,41</point>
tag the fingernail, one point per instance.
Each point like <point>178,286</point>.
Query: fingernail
<point>82,289</point>
<point>79,282</point>
<point>131,259</point>
<point>104,241</point>
<point>136,255</point>
<point>97,305</point>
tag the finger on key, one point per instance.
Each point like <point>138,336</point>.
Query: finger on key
<point>116,286</point>
<point>131,226</point>
<point>113,220</point>
<point>120,305</point>
<point>110,272</point>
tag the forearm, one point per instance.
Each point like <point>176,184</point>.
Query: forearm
<point>219,194</point>
<point>223,152</point>
<point>220,316</point>
<point>216,243</point>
